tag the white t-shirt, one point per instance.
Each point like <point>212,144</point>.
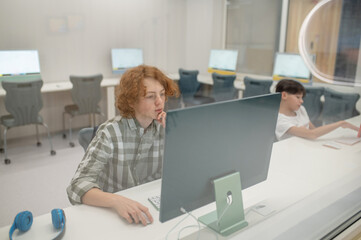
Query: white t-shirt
<point>286,122</point>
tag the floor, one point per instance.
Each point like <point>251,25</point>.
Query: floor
<point>35,180</point>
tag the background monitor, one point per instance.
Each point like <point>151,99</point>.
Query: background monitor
<point>291,66</point>
<point>209,141</point>
<point>223,61</point>
<point>124,58</point>
<point>19,62</point>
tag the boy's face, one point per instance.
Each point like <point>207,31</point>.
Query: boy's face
<point>293,101</point>
<point>149,106</point>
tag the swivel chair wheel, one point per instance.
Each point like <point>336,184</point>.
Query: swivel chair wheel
<point>52,152</point>
<point>7,161</point>
<point>1,150</point>
<point>64,135</point>
<point>38,144</point>
<point>71,144</point>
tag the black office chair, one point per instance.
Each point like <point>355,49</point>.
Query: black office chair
<point>255,87</point>
<point>339,106</point>
<point>86,94</point>
<point>312,103</point>
<point>189,86</point>
<point>23,101</point>
<point>223,87</point>
<point>86,135</point>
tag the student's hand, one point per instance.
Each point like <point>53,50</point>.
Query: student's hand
<point>161,118</point>
<point>132,211</point>
<point>345,124</point>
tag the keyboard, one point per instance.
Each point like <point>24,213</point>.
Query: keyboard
<point>155,201</point>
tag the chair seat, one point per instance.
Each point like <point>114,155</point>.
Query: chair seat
<point>74,110</point>
<point>9,121</point>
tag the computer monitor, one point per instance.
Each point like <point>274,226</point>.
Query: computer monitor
<point>290,66</point>
<point>223,61</point>
<point>206,142</point>
<point>124,58</point>
<point>19,62</point>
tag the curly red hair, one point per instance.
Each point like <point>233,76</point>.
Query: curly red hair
<point>131,87</point>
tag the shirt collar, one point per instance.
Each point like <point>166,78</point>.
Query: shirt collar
<point>134,125</point>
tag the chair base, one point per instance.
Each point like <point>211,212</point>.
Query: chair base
<point>52,153</point>
<point>7,161</point>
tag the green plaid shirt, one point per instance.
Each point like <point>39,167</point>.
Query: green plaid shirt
<point>121,155</point>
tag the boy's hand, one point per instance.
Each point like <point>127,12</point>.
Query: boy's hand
<point>161,118</point>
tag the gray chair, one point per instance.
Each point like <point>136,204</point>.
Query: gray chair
<point>86,135</point>
<point>189,87</point>
<point>312,103</point>
<point>223,87</point>
<point>86,94</point>
<point>255,87</point>
<point>23,101</point>
<point>339,106</point>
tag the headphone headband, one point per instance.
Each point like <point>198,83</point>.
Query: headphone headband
<point>24,220</point>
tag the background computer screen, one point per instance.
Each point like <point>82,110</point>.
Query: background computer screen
<point>124,58</point>
<point>224,60</point>
<point>210,141</point>
<point>16,62</point>
<point>289,65</point>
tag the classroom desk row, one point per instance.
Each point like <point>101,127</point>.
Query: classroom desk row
<point>310,190</point>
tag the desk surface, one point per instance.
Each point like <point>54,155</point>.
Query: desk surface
<point>304,178</point>
<point>66,85</point>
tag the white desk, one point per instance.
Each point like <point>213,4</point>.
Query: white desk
<point>109,83</point>
<point>304,179</point>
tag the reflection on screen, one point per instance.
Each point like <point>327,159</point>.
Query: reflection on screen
<point>16,62</point>
<point>289,65</point>
<point>224,60</point>
<point>124,58</point>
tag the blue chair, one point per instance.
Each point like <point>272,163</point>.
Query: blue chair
<point>23,101</point>
<point>223,87</point>
<point>312,103</point>
<point>339,106</point>
<point>255,87</point>
<point>86,135</point>
<point>189,86</point>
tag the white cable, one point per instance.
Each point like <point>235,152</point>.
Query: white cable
<point>166,237</point>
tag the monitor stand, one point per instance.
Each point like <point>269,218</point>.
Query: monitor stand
<point>229,215</point>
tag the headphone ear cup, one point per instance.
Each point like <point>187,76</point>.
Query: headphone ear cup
<point>58,217</point>
<point>23,221</point>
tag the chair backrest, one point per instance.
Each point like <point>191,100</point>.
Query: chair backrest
<point>339,105</point>
<point>86,92</point>
<point>86,135</point>
<point>223,87</point>
<point>23,100</point>
<point>312,102</point>
<point>254,87</point>
<point>188,83</point>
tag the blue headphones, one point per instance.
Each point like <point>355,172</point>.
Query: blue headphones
<point>23,221</point>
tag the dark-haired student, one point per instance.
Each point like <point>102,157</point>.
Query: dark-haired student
<point>293,119</point>
<point>127,150</point>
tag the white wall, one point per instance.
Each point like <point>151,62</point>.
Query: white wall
<point>75,37</point>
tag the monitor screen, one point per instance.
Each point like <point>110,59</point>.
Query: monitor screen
<point>223,61</point>
<point>19,62</point>
<point>289,65</point>
<point>124,58</point>
<point>210,141</point>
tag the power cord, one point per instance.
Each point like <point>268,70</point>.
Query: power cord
<point>189,226</point>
